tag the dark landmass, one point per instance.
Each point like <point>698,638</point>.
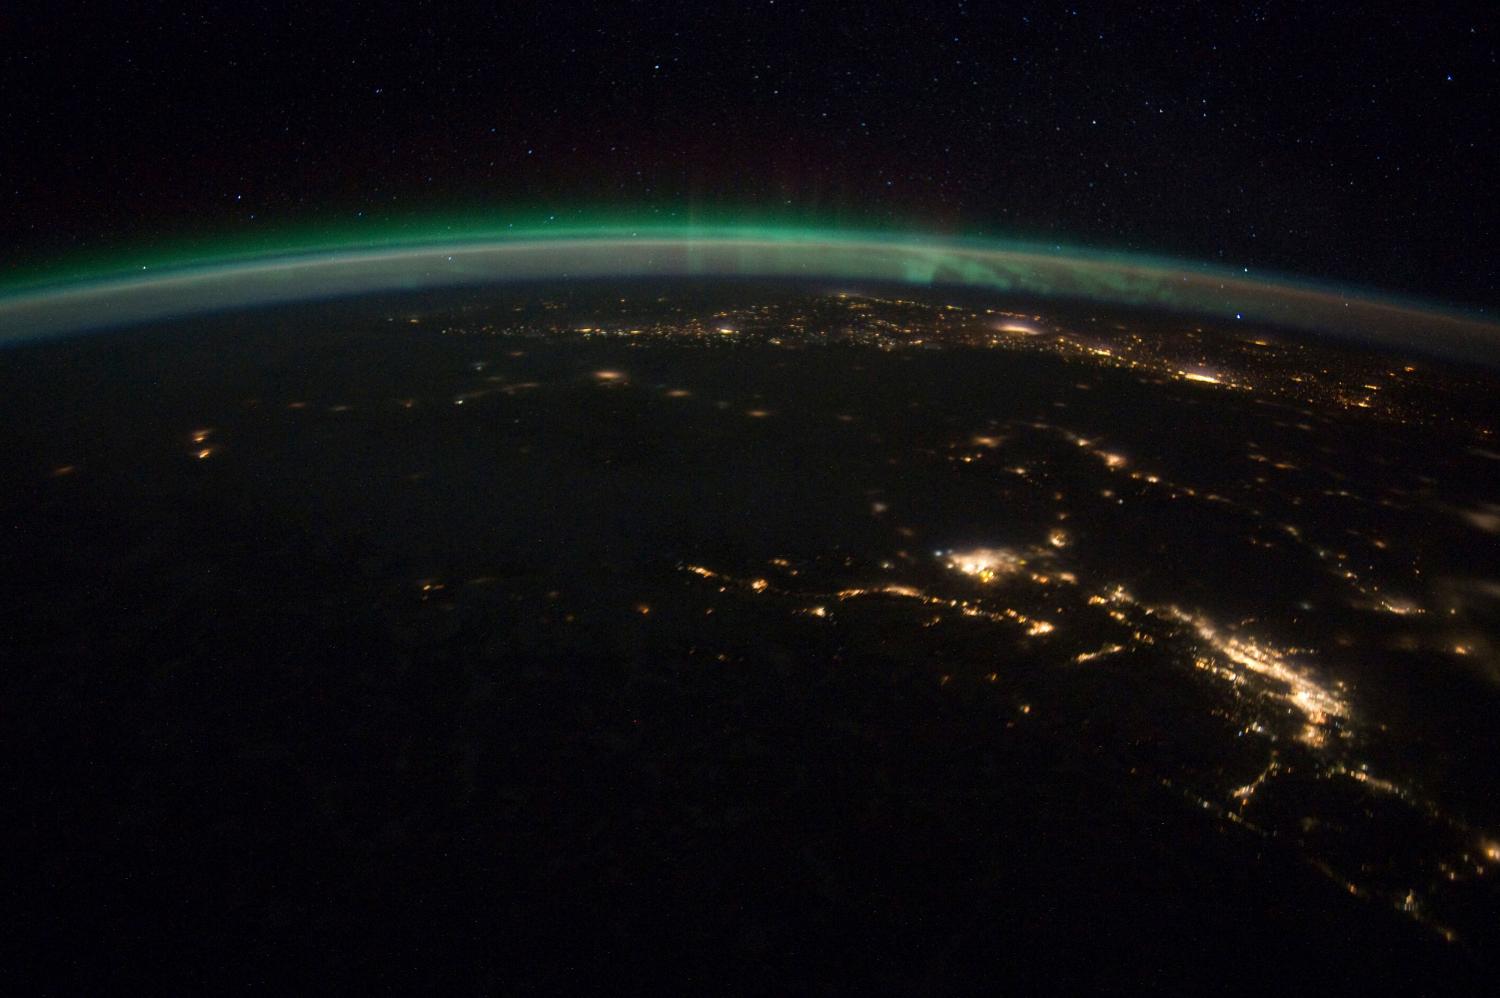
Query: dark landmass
<point>747,638</point>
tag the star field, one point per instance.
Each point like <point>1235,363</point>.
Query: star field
<point>1344,146</point>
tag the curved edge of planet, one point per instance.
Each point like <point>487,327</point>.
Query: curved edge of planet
<point>1114,279</point>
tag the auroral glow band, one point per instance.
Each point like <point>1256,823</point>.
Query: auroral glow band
<point>181,288</point>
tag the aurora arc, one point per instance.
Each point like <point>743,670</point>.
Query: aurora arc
<point>191,286</point>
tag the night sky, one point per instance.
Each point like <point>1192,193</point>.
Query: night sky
<point>1352,144</point>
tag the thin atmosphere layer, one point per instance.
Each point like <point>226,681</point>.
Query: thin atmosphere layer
<point>186,287</point>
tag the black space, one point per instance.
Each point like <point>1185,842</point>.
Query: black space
<point>1344,142</point>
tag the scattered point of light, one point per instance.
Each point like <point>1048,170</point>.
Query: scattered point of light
<point>609,377</point>
<point>203,453</point>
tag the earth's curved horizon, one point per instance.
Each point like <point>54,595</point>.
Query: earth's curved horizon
<point>209,282</point>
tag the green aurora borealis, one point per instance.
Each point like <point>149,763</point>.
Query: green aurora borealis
<point>332,263</point>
